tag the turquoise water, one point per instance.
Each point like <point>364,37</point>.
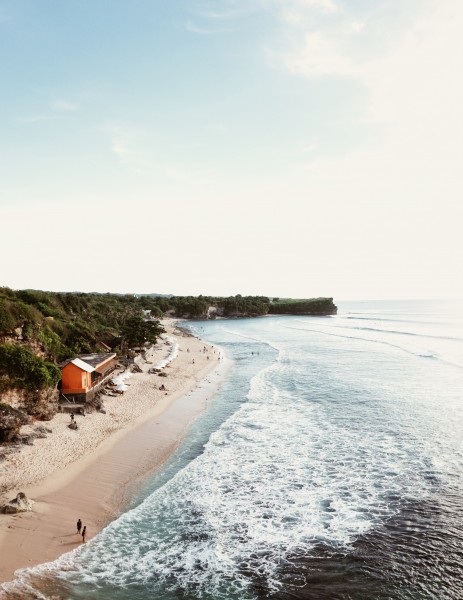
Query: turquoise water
<point>330,465</point>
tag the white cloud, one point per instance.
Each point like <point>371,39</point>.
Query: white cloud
<point>35,119</point>
<point>119,148</point>
<point>230,14</point>
<point>126,143</point>
<point>394,199</point>
<point>320,56</point>
<point>302,8</point>
<point>193,28</point>
<point>64,105</point>
<point>293,11</point>
<point>306,148</point>
<point>136,150</point>
<point>299,13</point>
<point>412,86</point>
<point>357,26</point>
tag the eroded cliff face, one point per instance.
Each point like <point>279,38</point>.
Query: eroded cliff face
<point>40,404</point>
<point>19,406</point>
<point>17,337</point>
<point>11,421</point>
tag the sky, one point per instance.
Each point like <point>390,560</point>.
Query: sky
<point>291,148</point>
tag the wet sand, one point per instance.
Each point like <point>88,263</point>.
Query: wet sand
<point>113,460</point>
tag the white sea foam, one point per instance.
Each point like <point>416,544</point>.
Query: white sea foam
<point>324,450</point>
<point>276,479</point>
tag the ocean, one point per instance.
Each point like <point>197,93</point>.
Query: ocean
<point>328,466</point>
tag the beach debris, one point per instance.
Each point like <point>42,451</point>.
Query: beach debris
<point>19,504</point>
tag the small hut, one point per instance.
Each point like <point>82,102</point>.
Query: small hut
<point>82,376</point>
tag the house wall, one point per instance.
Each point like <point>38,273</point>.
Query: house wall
<point>74,380</point>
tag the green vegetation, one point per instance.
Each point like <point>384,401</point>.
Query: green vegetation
<point>238,306</point>
<point>197,307</point>
<point>61,325</point>
<point>19,367</point>
<point>136,331</point>
<point>40,328</point>
<point>252,306</point>
<point>313,306</point>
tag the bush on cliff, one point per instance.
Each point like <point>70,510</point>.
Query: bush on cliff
<point>21,368</point>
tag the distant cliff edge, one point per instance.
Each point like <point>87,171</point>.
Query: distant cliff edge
<point>39,330</point>
<point>239,307</point>
<point>311,307</point>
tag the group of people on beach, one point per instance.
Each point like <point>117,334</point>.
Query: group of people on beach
<point>205,350</point>
<point>80,531</point>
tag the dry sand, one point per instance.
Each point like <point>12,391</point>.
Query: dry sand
<point>92,473</point>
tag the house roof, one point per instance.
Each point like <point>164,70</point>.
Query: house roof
<point>90,362</point>
<point>82,365</point>
<point>97,359</point>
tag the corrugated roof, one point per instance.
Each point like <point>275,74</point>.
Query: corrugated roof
<point>82,365</point>
<point>97,359</point>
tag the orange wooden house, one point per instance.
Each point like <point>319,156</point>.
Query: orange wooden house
<point>83,375</point>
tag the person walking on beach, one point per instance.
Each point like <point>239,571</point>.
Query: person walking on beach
<point>84,533</point>
<point>79,525</point>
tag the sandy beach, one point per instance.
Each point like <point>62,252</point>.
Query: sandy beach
<point>93,473</point>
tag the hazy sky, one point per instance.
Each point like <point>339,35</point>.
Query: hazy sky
<point>282,147</point>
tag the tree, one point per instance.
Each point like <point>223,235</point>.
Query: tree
<point>136,331</point>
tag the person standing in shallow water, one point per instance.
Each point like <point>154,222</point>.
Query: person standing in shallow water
<point>84,533</point>
<point>79,525</point>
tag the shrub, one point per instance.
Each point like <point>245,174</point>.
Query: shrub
<point>25,369</point>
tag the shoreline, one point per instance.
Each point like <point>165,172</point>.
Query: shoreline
<point>143,429</point>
